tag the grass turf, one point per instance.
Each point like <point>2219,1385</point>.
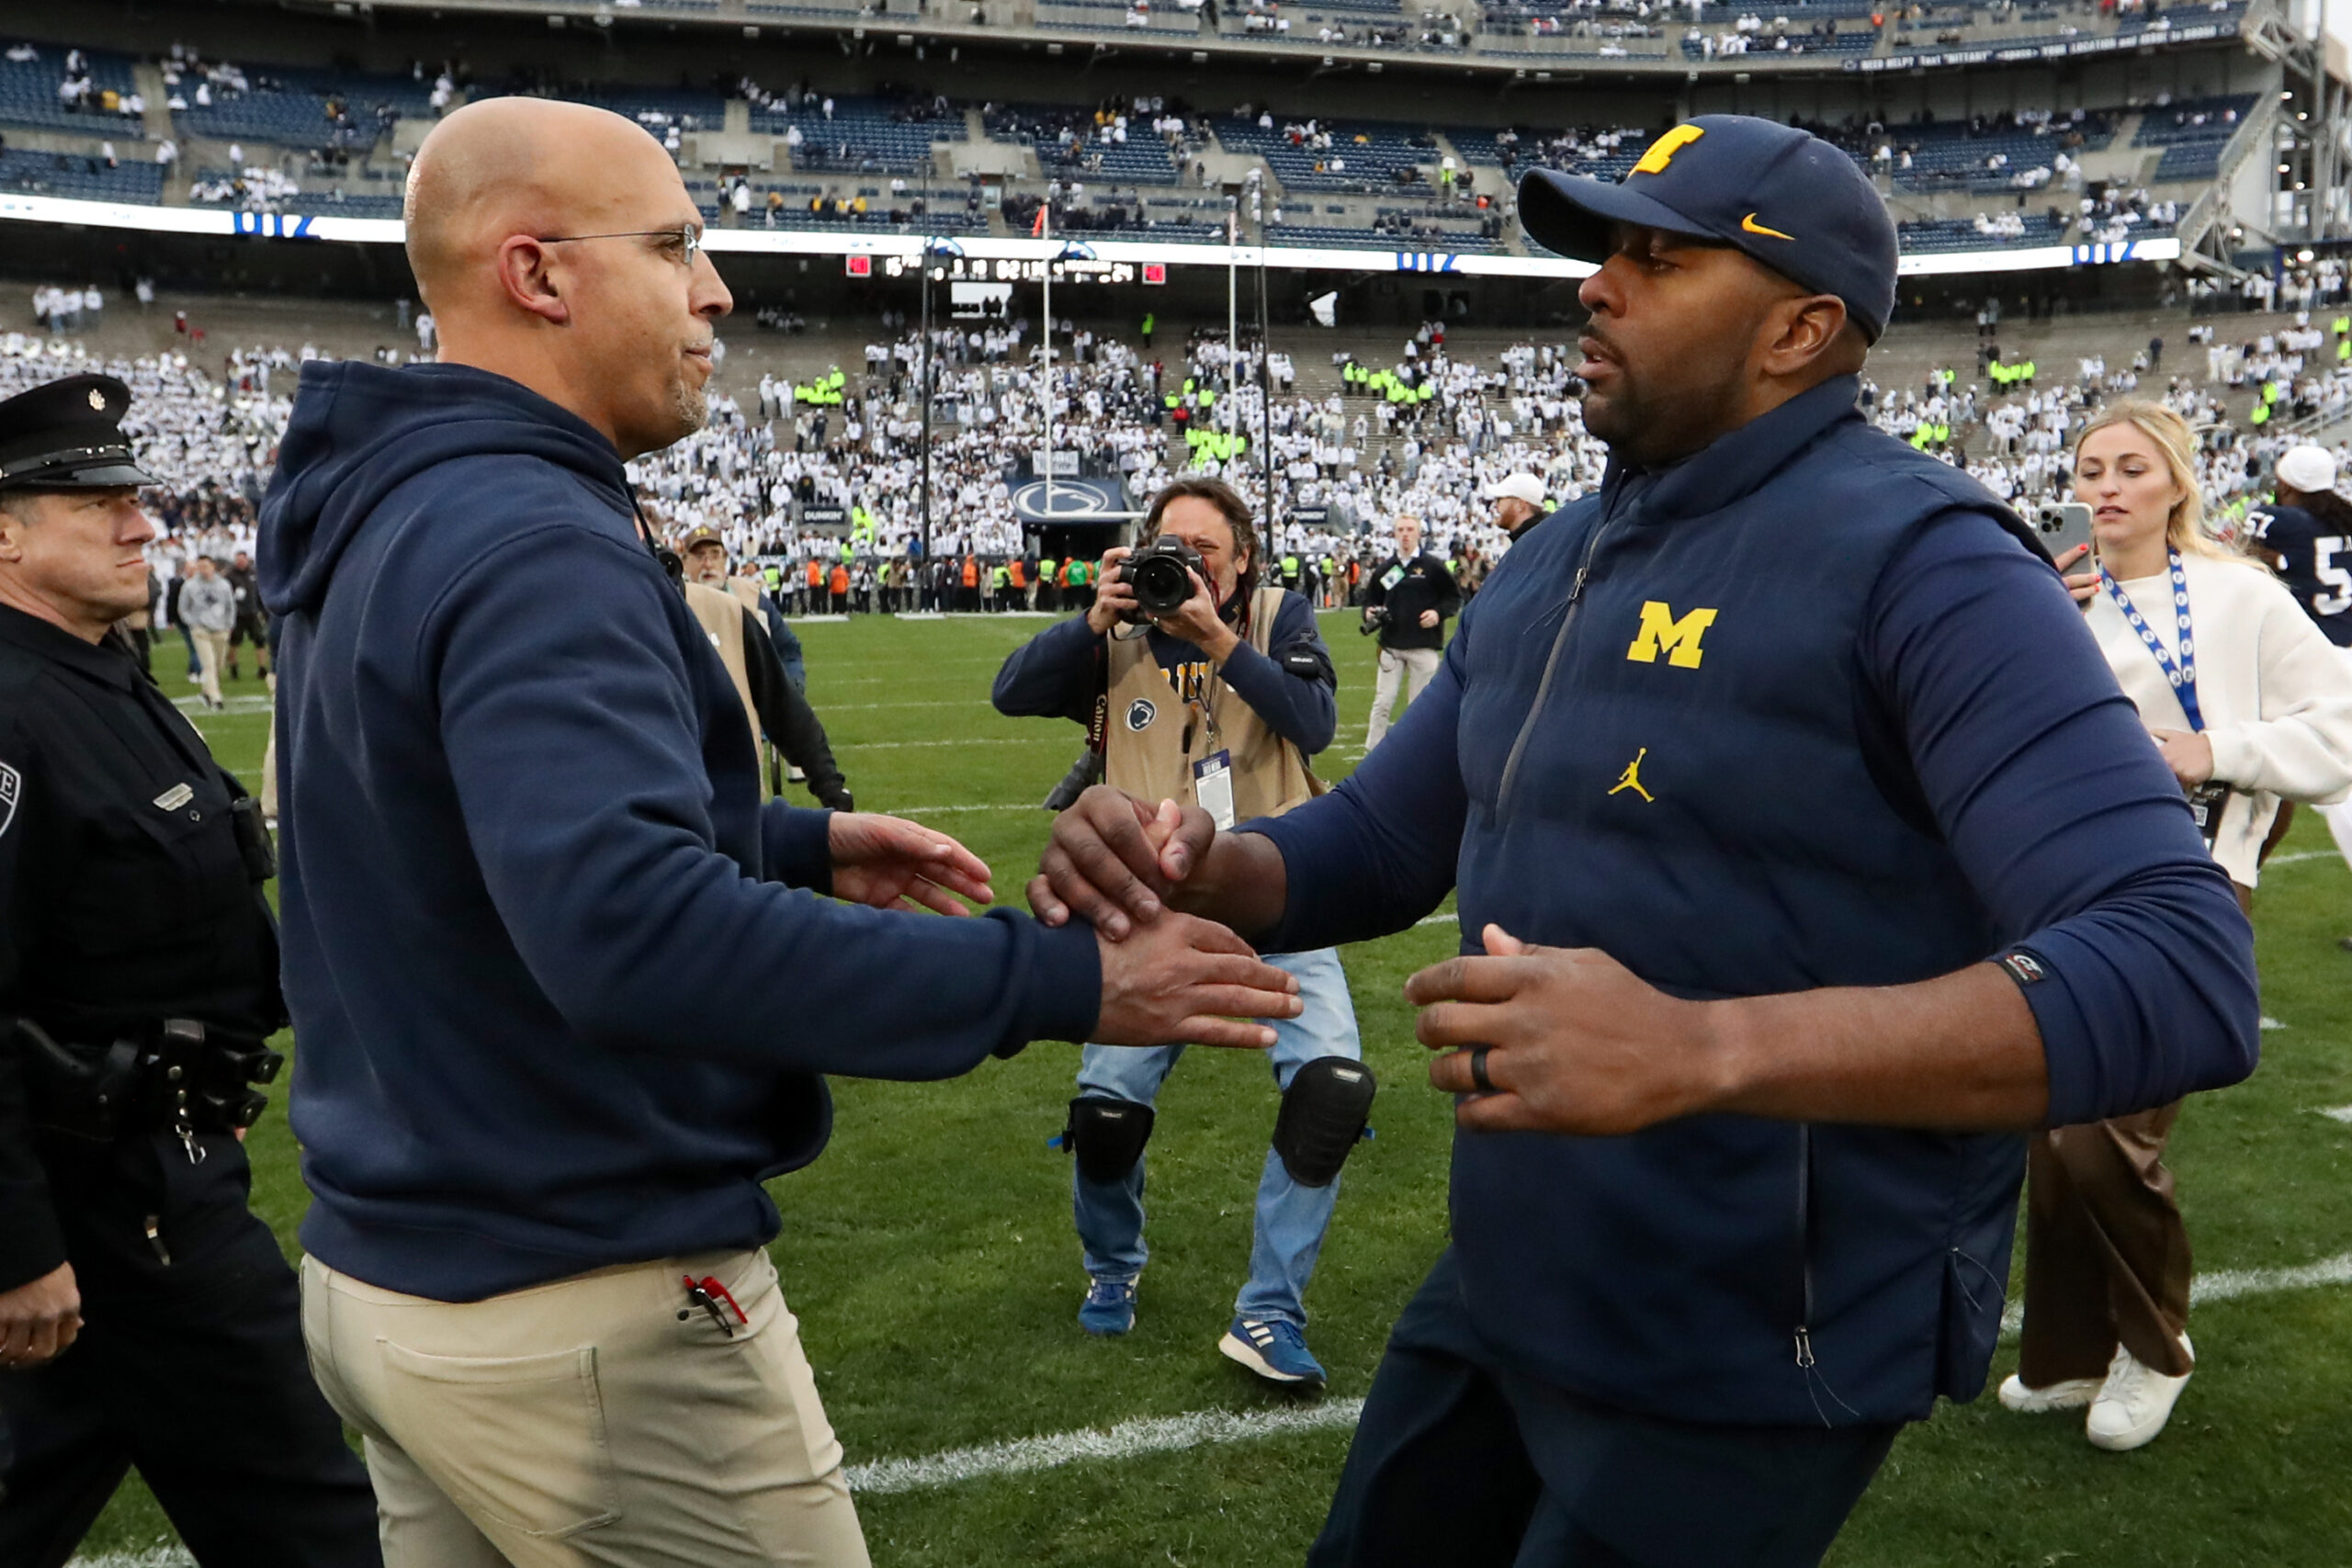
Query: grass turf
<point>930,1258</point>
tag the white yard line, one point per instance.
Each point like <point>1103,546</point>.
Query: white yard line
<point>2299,856</point>
<point>944,810</point>
<point>2339,1113</point>
<point>1061,740</point>
<point>1199,1428</point>
<point>1128,1440</point>
<point>2229,1284</point>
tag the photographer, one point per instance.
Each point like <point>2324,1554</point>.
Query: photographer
<point>1409,597</point>
<point>1215,698</point>
<point>728,609</point>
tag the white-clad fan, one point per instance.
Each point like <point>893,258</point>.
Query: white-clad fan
<point>2251,706</point>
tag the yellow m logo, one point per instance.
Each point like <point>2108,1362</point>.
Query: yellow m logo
<point>1661,152</point>
<point>1661,633</point>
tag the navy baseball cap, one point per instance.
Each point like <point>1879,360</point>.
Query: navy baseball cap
<point>1783,196</point>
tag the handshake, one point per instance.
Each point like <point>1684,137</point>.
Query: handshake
<point>1168,978</point>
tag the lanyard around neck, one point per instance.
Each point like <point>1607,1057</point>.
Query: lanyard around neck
<point>2182,671</point>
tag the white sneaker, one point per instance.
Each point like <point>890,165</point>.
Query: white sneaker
<point>2067,1394</point>
<point>2134,1402</point>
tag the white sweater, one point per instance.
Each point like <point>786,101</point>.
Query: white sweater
<point>2276,697</point>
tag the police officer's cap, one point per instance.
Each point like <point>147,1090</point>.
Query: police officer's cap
<point>1787,198</point>
<point>68,436</point>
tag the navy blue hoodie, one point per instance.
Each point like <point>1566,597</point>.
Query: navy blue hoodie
<point>561,985</point>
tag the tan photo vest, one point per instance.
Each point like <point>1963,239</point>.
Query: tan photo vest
<point>1144,747</point>
<point>721,617</point>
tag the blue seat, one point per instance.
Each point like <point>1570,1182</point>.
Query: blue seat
<point>81,176</point>
<point>28,94</point>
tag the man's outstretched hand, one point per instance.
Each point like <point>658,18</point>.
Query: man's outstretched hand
<point>888,861</point>
<point>1181,980</point>
<point>1575,1041</point>
<point>1113,860</point>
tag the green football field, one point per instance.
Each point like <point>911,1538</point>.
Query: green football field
<point>930,1258</point>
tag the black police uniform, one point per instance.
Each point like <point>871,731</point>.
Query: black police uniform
<point>138,986</point>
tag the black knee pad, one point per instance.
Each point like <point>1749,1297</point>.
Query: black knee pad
<point>1324,1113</point>
<point>1107,1135</point>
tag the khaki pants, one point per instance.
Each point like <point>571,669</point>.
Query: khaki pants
<point>1416,667</point>
<point>2107,1257</point>
<point>597,1420</point>
<point>212,647</point>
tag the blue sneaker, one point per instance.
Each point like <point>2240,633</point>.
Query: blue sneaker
<point>1110,1307</point>
<point>1272,1349</point>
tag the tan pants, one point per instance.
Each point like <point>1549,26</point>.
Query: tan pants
<point>597,1420</point>
<point>2107,1257</point>
<point>1413,667</point>
<point>212,647</point>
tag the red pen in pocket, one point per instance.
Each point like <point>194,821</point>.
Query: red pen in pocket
<point>707,1293</point>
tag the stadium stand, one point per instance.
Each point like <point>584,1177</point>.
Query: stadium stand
<point>1340,155</point>
<point>31,75</point>
<point>302,109</point>
<point>1074,140</point>
<point>861,135</point>
<point>30,173</point>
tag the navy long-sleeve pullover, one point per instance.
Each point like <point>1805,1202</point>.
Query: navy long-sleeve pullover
<point>1798,712</point>
<point>561,985</point>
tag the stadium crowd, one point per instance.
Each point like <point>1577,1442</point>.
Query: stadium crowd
<point>831,468</point>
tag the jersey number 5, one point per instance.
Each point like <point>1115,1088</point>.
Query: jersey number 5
<point>2325,550</point>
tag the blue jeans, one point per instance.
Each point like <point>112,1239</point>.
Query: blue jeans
<point>1291,1218</point>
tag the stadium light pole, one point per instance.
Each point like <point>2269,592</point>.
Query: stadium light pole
<point>925,504</point>
<point>1046,231</point>
<point>1265,358</point>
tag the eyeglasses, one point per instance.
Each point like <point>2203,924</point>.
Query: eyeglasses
<point>686,238</point>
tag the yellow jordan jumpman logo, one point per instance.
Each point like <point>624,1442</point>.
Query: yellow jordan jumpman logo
<point>1632,778</point>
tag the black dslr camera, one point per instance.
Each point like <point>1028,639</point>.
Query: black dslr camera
<point>1162,573</point>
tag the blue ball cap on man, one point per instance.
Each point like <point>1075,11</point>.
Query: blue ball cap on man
<point>1784,196</point>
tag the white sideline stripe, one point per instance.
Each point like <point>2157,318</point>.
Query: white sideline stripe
<point>1128,1440</point>
<point>2299,856</point>
<point>1061,740</point>
<point>2229,1284</point>
<point>236,704</point>
<point>1435,920</point>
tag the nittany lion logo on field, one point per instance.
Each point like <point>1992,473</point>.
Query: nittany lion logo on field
<point>11,786</point>
<point>1140,713</point>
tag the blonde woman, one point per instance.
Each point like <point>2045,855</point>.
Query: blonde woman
<point>2250,706</point>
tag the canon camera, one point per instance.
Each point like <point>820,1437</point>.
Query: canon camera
<point>1161,574</point>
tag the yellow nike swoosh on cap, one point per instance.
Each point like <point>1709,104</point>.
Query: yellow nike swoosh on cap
<point>1750,224</point>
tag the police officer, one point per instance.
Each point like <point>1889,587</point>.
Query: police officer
<point>146,1316</point>
<point>1805,854</point>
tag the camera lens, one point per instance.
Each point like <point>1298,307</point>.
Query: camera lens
<point>1161,584</point>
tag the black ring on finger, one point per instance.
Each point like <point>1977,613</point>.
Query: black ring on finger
<point>1478,1069</point>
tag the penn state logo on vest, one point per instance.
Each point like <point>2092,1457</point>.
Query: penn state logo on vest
<point>11,786</point>
<point>1140,713</point>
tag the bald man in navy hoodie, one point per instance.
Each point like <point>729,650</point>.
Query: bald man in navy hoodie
<point>539,927</point>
